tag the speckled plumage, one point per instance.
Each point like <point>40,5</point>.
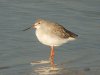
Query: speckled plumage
<point>57,29</point>
<point>54,33</point>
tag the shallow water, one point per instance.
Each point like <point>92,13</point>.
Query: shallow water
<point>18,49</point>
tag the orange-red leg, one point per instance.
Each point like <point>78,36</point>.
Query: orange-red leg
<point>52,53</point>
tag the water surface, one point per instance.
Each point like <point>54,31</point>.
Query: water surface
<point>18,48</point>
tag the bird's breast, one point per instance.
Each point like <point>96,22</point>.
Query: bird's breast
<point>50,39</point>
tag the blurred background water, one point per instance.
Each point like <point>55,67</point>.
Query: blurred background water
<point>18,48</point>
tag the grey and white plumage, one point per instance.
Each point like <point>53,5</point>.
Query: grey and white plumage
<point>51,33</point>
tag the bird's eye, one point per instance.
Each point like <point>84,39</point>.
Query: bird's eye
<point>39,23</point>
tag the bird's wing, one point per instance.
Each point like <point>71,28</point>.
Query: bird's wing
<point>60,31</point>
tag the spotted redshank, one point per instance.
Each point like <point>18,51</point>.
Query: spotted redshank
<point>52,34</point>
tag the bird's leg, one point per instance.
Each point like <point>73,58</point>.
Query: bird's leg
<point>52,53</point>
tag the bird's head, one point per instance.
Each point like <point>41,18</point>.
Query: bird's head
<point>38,23</point>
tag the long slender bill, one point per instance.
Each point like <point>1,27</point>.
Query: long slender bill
<point>27,28</point>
